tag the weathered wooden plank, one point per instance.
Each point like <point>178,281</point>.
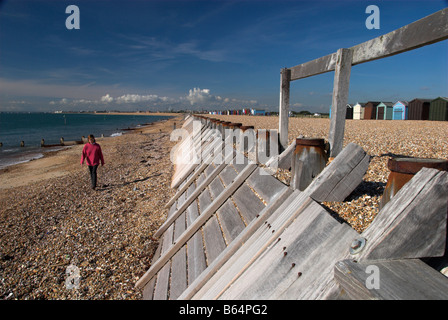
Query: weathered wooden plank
<point>428,30</point>
<point>314,67</point>
<point>195,246</point>
<point>205,200</point>
<point>208,171</point>
<point>413,223</point>
<point>162,283</point>
<point>339,101</point>
<point>409,279</point>
<point>285,79</point>
<point>425,31</point>
<point>265,185</point>
<point>228,175</point>
<point>179,226</point>
<point>231,222</point>
<point>327,185</point>
<point>350,181</point>
<point>196,256</point>
<point>247,202</point>
<point>148,291</point>
<point>213,238</point>
<point>216,187</point>
<point>178,273</point>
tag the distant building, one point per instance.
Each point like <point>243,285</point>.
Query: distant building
<point>348,112</point>
<point>418,109</point>
<point>400,110</point>
<point>358,111</point>
<point>384,111</point>
<point>370,110</point>
<point>256,112</point>
<point>438,109</point>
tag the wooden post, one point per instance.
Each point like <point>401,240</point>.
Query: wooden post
<point>284,108</point>
<point>339,101</point>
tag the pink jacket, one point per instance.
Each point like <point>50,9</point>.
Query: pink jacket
<point>92,154</point>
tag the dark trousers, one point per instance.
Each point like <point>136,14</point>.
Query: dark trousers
<point>92,170</point>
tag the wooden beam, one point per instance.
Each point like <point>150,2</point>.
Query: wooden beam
<point>339,100</point>
<point>341,176</point>
<point>413,224</point>
<point>314,67</point>
<point>407,279</point>
<point>428,30</point>
<point>284,108</point>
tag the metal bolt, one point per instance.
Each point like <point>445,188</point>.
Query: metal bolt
<point>357,245</point>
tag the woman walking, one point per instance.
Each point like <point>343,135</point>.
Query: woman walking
<point>92,154</point>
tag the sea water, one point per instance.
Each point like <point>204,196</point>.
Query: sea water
<point>31,128</point>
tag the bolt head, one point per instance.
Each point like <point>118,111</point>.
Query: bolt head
<point>357,245</point>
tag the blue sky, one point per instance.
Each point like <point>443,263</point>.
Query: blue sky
<point>156,55</point>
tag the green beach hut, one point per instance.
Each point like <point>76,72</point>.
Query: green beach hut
<point>385,111</point>
<point>438,109</point>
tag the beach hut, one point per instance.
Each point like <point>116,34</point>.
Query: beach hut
<point>438,109</point>
<point>358,111</point>
<point>400,110</point>
<point>370,110</point>
<point>418,109</point>
<point>256,112</point>
<point>384,111</point>
<point>349,112</point>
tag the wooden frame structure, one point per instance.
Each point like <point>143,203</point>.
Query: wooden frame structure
<point>428,30</point>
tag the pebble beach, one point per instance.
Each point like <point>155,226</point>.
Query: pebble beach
<point>50,219</point>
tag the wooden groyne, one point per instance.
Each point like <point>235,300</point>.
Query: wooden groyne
<point>234,231</point>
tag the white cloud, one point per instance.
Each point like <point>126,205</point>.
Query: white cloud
<point>199,96</point>
<point>133,98</point>
<point>107,98</point>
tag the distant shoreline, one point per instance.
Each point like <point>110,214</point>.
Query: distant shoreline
<point>13,154</point>
<point>52,163</point>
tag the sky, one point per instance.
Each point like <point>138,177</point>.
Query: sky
<point>203,55</point>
